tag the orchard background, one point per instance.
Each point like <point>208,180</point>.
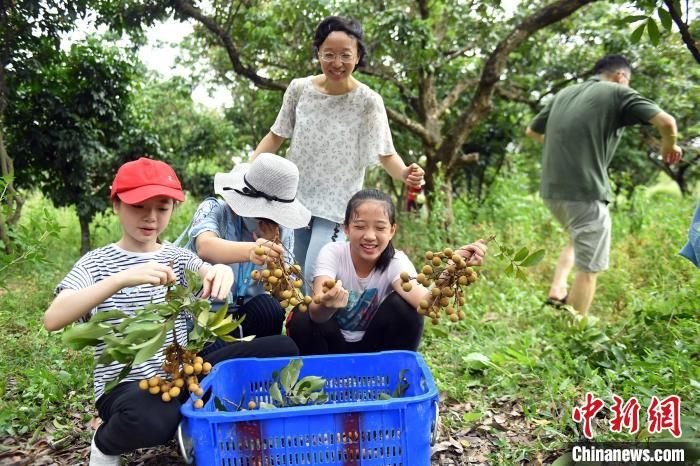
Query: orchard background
<point>460,81</point>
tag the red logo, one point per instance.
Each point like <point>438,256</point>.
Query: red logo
<point>587,412</point>
<point>626,416</point>
<point>665,415</point>
<point>661,415</point>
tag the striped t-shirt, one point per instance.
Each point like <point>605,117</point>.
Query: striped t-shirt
<point>109,260</point>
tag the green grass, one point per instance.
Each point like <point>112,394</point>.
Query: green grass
<point>45,383</point>
<point>643,342</point>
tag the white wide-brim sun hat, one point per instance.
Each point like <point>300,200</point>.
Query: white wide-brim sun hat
<point>265,188</point>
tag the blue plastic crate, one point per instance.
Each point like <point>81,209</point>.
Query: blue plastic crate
<point>353,428</point>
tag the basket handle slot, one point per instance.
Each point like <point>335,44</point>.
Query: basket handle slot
<point>434,429</point>
<point>185,443</point>
<point>207,395</point>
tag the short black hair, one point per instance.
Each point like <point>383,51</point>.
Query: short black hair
<point>611,64</point>
<point>350,26</point>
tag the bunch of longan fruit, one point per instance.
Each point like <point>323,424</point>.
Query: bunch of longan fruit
<point>327,285</point>
<point>448,273</point>
<point>182,368</point>
<point>282,280</point>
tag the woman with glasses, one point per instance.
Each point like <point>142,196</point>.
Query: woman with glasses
<point>338,127</point>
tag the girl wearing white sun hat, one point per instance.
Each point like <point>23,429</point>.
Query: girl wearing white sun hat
<point>259,204</point>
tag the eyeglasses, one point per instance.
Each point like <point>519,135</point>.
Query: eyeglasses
<point>330,57</point>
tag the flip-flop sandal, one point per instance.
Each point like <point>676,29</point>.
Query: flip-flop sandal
<point>556,302</point>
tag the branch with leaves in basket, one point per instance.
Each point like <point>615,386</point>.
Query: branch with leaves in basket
<point>288,390</point>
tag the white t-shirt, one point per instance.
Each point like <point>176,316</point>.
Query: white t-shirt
<point>365,294</point>
<point>104,262</point>
<point>334,138</point>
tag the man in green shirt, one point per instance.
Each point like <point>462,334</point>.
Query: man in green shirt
<point>580,128</point>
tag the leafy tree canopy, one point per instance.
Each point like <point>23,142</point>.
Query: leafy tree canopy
<point>68,124</point>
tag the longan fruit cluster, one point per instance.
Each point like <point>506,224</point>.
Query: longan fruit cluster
<point>282,280</point>
<point>182,368</point>
<point>448,273</point>
<point>327,285</point>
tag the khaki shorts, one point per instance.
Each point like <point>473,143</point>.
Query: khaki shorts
<point>589,225</point>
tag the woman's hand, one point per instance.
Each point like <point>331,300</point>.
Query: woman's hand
<point>217,282</point>
<point>268,249</point>
<point>267,230</point>
<point>413,176</point>
<point>336,297</point>
<point>474,253</point>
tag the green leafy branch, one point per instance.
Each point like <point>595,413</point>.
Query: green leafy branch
<point>27,246</point>
<point>401,387</point>
<point>136,339</point>
<point>517,260</point>
<point>221,404</point>
<point>648,23</point>
<point>288,390</point>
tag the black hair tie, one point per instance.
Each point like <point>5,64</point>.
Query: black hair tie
<point>249,191</point>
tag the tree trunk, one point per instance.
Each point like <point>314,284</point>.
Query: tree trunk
<point>481,104</point>
<point>5,235</point>
<point>438,182</point>
<point>431,174</point>
<point>188,9</point>
<point>681,184</point>
<point>687,38</point>
<point>679,175</point>
<point>448,218</point>
<point>5,194</point>
<point>8,194</point>
<point>5,164</point>
<point>84,234</point>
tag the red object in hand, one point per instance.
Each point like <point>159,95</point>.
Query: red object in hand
<point>411,198</point>
<point>413,192</point>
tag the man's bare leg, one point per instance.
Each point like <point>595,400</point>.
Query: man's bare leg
<point>561,274</point>
<point>582,291</point>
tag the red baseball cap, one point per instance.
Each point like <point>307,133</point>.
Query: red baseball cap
<point>145,178</point>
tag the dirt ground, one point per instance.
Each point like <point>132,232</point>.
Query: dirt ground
<point>470,446</point>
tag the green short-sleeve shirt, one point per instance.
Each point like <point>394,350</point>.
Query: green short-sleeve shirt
<point>582,125</point>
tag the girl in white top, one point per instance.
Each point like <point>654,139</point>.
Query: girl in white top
<point>367,310</point>
<point>338,128</point>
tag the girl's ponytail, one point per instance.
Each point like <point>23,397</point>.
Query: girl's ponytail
<point>385,257</point>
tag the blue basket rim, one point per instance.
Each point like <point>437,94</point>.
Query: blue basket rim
<point>188,411</point>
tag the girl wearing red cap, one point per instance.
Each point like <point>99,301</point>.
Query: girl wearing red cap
<point>127,275</point>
